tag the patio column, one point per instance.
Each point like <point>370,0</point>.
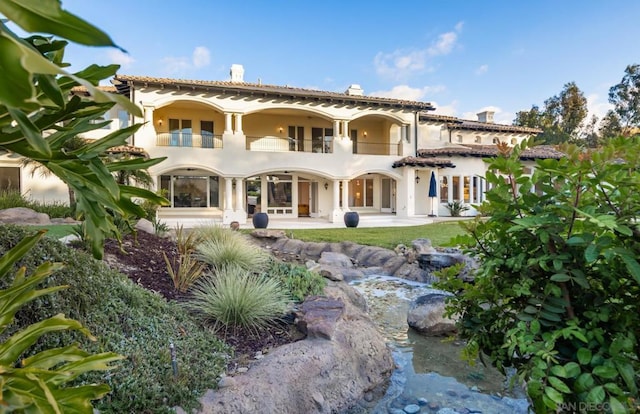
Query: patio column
<point>336,212</point>
<point>345,195</point>
<point>228,201</point>
<point>148,112</point>
<point>345,130</point>
<point>239,193</point>
<point>336,129</point>
<point>238,129</point>
<point>228,123</point>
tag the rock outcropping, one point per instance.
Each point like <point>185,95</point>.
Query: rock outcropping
<point>345,361</point>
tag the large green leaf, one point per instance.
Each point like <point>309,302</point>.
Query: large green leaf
<point>39,16</point>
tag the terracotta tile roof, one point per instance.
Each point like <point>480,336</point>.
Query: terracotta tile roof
<point>124,82</point>
<point>423,162</point>
<point>128,149</point>
<point>426,116</point>
<point>83,90</point>
<point>539,152</point>
<point>488,126</point>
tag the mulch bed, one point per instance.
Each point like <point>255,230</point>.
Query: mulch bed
<point>143,262</point>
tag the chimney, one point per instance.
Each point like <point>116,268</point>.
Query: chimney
<point>486,116</point>
<point>237,73</point>
<point>354,90</point>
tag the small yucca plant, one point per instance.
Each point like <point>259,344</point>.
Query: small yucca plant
<point>235,299</point>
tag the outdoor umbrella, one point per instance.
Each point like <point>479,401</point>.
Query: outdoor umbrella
<point>433,190</point>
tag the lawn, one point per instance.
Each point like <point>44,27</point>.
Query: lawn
<point>388,237</point>
<point>56,231</point>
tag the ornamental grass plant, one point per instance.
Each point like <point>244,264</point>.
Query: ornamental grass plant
<point>221,247</point>
<point>236,299</point>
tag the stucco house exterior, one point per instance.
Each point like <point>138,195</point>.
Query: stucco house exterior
<point>234,148</point>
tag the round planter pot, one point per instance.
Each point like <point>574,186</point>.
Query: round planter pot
<point>351,219</point>
<point>260,220</point>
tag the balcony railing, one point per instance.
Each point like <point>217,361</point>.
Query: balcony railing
<point>283,144</point>
<point>184,139</point>
<point>373,148</point>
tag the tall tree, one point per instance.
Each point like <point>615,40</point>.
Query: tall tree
<point>625,98</point>
<point>562,117</point>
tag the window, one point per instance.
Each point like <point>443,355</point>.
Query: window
<point>444,189</point>
<point>361,193</point>
<point>279,194</point>
<point>354,140</point>
<point>459,138</point>
<point>296,138</point>
<point>467,189</point>
<point>455,186</point>
<point>478,139</point>
<point>206,133</point>
<point>123,118</point>
<point>514,141</point>
<point>180,132</point>
<point>191,191</point>
<point>495,140</point>
<point>322,140</point>
<point>10,178</point>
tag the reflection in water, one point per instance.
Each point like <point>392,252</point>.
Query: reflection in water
<point>430,372</point>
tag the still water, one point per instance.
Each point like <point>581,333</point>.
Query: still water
<point>430,375</point>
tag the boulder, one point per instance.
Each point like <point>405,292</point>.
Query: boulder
<point>145,226</point>
<point>313,375</point>
<point>318,316</point>
<point>335,259</point>
<point>23,215</point>
<point>426,315</point>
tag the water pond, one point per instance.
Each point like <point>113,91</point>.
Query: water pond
<point>430,376</point>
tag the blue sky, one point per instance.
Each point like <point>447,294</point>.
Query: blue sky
<point>462,56</point>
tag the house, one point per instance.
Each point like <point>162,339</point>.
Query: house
<point>234,148</point>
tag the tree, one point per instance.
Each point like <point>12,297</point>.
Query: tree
<point>562,118</point>
<point>557,293</point>
<point>625,98</point>
<point>39,118</point>
<point>35,93</point>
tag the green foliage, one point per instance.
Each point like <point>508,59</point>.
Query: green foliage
<point>557,295</point>
<point>221,247</point>
<point>456,208</point>
<point>298,280</point>
<point>128,320</point>
<point>35,96</point>
<point>235,298</point>
<point>185,269</point>
<point>40,382</point>
<point>11,199</point>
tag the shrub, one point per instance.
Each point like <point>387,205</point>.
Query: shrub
<point>128,320</point>
<point>298,280</point>
<point>235,298</point>
<point>557,295</point>
<point>12,198</point>
<point>456,208</point>
<point>222,247</point>
<point>185,269</point>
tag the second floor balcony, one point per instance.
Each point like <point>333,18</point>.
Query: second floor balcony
<point>316,145</point>
<point>187,139</point>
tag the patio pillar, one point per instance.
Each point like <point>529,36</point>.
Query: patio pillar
<point>228,201</point>
<point>238,129</point>
<point>239,193</point>
<point>336,128</point>
<point>228,123</point>
<point>336,212</point>
<point>345,130</point>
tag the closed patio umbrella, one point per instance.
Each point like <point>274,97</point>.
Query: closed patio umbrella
<point>433,190</point>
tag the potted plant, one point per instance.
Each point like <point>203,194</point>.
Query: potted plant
<point>456,208</point>
<point>351,219</point>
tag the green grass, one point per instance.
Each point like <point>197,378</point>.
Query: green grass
<point>388,237</point>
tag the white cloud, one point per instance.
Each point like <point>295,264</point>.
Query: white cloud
<point>482,69</point>
<point>596,106</point>
<point>201,57</point>
<point>180,65</point>
<point>449,110</point>
<point>120,58</point>
<point>402,63</point>
<point>408,93</point>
